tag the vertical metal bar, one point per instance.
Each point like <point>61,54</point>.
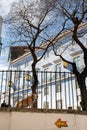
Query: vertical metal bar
<point>41,89</point>
<point>18,71</point>
<point>55,89</point>
<point>16,88</point>
<point>9,100</point>
<point>51,89</point>
<point>46,89</point>
<point>60,82</point>
<point>65,89</point>
<point>76,85</point>
<point>72,90</point>
<point>27,89</point>
<point>23,87</point>
<point>13,92</point>
<point>37,90</point>
<point>5,84</point>
<point>69,89</point>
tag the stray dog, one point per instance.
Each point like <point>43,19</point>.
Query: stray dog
<point>27,102</point>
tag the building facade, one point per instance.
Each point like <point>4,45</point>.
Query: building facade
<point>57,86</point>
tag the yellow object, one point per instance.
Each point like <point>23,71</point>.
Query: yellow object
<point>60,123</point>
<point>9,83</point>
<point>65,64</point>
<point>28,77</point>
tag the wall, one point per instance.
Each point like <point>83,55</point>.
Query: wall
<point>15,120</point>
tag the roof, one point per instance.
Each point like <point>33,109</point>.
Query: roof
<point>17,51</point>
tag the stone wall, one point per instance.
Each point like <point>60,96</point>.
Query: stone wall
<point>31,119</point>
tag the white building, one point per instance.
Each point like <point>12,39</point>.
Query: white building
<point>60,93</point>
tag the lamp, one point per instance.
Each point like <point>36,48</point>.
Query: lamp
<point>28,77</point>
<point>9,83</point>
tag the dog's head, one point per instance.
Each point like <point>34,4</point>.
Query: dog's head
<point>34,96</point>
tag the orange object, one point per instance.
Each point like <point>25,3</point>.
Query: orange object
<point>27,102</point>
<point>60,123</point>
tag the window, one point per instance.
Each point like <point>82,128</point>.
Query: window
<point>77,61</point>
<point>17,83</point>
<point>46,91</point>
<point>58,70</point>
<point>72,46</point>
<point>58,49</point>
<point>73,42</point>
<point>46,75</point>
<point>18,74</point>
<point>18,67</point>
<point>46,55</point>
<point>26,63</point>
<point>58,88</point>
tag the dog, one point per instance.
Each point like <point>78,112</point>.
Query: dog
<point>27,102</point>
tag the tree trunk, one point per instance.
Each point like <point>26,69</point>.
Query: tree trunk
<point>82,86</point>
<point>35,84</point>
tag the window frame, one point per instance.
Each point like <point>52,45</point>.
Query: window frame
<point>77,61</point>
<point>58,73</point>
<point>46,91</point>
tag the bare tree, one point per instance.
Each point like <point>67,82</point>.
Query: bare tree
<point>33,24</point>
<point>75,11</point>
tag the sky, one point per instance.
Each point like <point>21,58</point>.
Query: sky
<point>5,6</point>
<point>4,9</point>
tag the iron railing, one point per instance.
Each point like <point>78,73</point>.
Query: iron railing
<point>55,90</point>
